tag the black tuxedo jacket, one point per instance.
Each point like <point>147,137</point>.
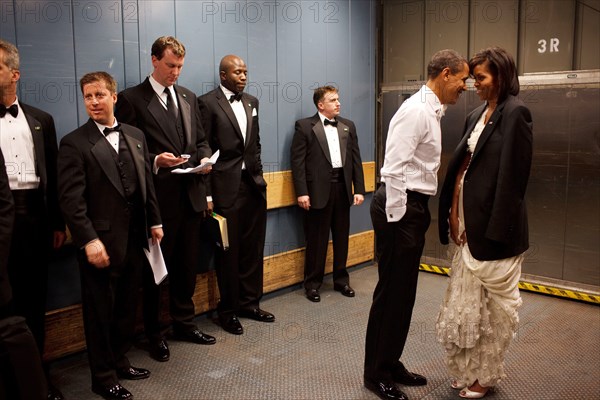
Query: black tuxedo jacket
<point>311,160</point>
<point>494,184</point>
<point>7,214</point>
<point>224,134</point>
<point>140,106</point>
<point>91,193</point>
<point>45,146</point>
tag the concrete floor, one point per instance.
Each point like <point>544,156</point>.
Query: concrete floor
<point>316,350</point>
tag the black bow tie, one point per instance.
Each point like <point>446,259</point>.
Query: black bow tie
<point>235,97</point>
<point>116,128</point>
<point>12,110</point>
<point>329,122</point>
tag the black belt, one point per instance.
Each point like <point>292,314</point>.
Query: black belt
<point>337,175</point>
<point>420,197</point>
<point>27,201</point>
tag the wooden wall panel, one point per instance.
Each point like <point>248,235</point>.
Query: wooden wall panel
<point>280,186</point>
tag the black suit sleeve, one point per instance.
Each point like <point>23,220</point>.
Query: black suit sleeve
<point>358,178</point>
<point>72,190</point>
<point>6,225</point>
<point>51,148</point>
<point>298,158</point>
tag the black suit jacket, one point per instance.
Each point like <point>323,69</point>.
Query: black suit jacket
<point>224,134</point>
<point>7,214</point>
<point>45,146</point>
<point>494,184</point>
<point>91,193</point>
<point>311,160</point>
<point>140,106</point>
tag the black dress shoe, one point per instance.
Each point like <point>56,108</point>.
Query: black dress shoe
<point>54,393</point>
<point>402,376</point>
<point>258,315</point>
<point>195,336</point>
<point>231,325</point>
<point>346,290</point>
<point>159,350</point>
<point>313,295</point>
<point>116,392</point>
<point>133,373</point>
<point>386,391</point>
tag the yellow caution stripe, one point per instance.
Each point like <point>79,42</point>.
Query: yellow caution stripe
<point>531,287</point>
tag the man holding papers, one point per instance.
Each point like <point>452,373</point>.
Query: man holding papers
<point>108,201</point>
<point>168,115</point>
<point>230,120</point>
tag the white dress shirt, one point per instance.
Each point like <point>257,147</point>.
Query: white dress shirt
<point>16,141</point>
<point>412,152</point>
<point>333,142</point>
<point>240,114</point>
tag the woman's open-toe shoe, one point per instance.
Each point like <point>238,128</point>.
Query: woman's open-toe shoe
<point>456,384</point>
<point>465,393</point>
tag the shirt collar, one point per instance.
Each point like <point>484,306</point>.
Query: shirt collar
<point>323,118</point>
<point>101,127</point>
<point>433,101</point>
<point>158,88</point>
<point>228,93</point>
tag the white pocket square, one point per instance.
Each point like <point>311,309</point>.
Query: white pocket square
<point>254,113</point>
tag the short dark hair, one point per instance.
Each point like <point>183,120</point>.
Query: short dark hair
<point>445,58</point>
<point>11,54</point>
<point>503,68</point>
<point>99,76</point>
<point>167,42</point>
<point>320,92</point>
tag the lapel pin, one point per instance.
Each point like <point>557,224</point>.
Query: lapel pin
<point>345,129</point>
<point>139,146</point>
<point>184,95</point>
<point>37,128</point>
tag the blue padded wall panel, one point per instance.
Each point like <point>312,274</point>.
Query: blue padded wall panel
<point>262,75</point>
<point>44,36</point>
<point>289,89</point>
<point>195,28</point>
<point>131,44</point>
<point>156,18</point>
<point>99,23</point>
<point>8,14</point>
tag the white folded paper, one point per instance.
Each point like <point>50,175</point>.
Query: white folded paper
<point>192,170</point>
<point>157,262</point>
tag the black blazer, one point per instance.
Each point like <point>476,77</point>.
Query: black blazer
<point>91,193</point>
<point>311,160</point>
<point>140,106</point>
<point>224,134</point>
<point>7,214</point>
<point>494,184</point>
<point>45,146</point>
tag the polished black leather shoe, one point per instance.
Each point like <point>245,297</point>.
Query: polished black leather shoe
<point>386,391</point>
<point>54,393</point>
<point>231,325</point>
<point>159,350</point>
<point>313,295</point>
<point>133,373</point>
<point>116,392</point>
<point>195,336</point>
<point>346,290</point>
<point>402,376</point>
<point>258,315</point>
